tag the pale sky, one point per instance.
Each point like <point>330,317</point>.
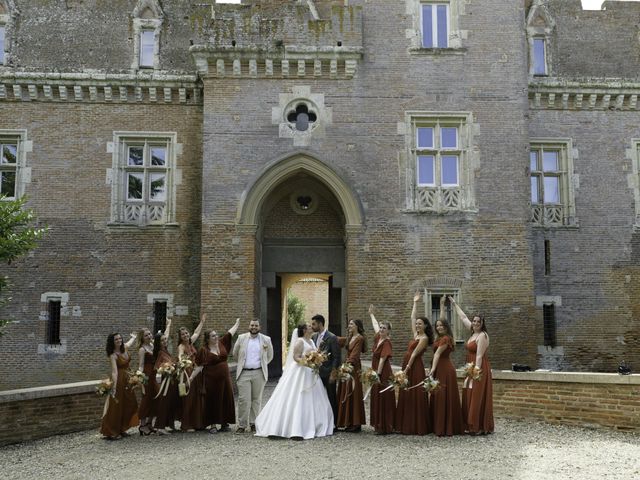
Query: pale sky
<point>586,4</point>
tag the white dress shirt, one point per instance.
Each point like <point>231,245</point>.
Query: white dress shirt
<point>253,353</point>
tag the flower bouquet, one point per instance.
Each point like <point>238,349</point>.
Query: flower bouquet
<point>105,387</point>
<point>431,384</point>
<point>184,363</point>
<point>472,372</point>
<point>398,381</point>
<point>165,372</point>
<point>313,359</point>
<point>137,379</point>
<point>369,378</point>
<point>345,372</point>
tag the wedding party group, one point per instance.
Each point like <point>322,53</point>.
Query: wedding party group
<point>316,395</point>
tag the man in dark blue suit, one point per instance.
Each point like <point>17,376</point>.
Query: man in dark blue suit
<point>327,342</point>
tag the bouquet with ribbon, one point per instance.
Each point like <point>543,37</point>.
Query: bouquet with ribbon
<point>398,381</point>
<point>166,371</point>
<point>429,384</point>
<point>369,378</point>
<point>313,359</point>
<point>472,372</point>
<point>184,363</point>
<point>344,373</point>
<point>105,387</point>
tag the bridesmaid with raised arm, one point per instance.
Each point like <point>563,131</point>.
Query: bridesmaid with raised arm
<point>215,380</point>
<point>145,364</point>
<point>477,395</point>
<point>412,414</point>
<point>121,408</point>
<point>351,414</point>
<point>191,416</point>
<point>383,405</point>
<point>167,401</point>
<point>446,416</point>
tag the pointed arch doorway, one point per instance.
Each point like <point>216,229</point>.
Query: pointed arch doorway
<point>302,210</point>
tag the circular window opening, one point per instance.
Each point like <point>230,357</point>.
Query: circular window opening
<point>302,118</point>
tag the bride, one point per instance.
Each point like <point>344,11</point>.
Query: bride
<point>298,407</point>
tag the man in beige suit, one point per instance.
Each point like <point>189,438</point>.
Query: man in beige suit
<point>253,352</point>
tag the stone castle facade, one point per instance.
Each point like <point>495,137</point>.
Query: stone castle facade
<point>191,157</point>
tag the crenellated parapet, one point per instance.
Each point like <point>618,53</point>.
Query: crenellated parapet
<point>280,40</point>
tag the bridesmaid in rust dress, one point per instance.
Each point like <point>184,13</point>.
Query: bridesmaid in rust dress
<point>383,405</point>
<point>121,406</point>
<point>191,415</point>
<point>166,403</point>
<point>351,415</point>
<point>145,365</point>
<point>446,416</point>
<point>412,414</point>
<point>477,395</point>
<point>215,380</point>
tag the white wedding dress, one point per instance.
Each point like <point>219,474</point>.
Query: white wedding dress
<point>299,406</point>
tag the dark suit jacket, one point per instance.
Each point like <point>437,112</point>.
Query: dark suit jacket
<point>330,345</point>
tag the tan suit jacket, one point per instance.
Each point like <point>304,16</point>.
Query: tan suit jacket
<point>240,353</point>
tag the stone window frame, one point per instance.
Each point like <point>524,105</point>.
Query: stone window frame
<point>633,179</point>
<point>142,23</point>
<point>8,21</point>
<point>23,146</point>
<point>563,214</point>
<point>555,301</point>
<point>167,298</point>
<point>456,36</point>
<point>540,25</point>
<point>144,212</point>
<point>63,298</point>
<point>441,199</point>
<point>288,102</point>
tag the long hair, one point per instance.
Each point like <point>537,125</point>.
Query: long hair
<point>448,332</point>
<point>157,344</point>
<point>140,339</point>
<point>483,328</point>
<point>428,329</point>
<point>180,330</point>
<point>360,327</point>
<point>205,338</point>
<point>111,344</point>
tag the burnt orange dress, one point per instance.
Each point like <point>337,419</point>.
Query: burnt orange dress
<point>193,402</point>
<point>383,405</point>
<point>121,410</point>
<point>477,402</point>
<point>146,408</point>
<point>446,414</point>
<point>412,412</point>
<point>166,405</point>
<point>216,385</point>
<point>350,403</point>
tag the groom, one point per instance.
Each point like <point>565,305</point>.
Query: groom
<point>327,342</point>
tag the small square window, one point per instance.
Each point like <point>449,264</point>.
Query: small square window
<point>449,138</point>
<point>550,161</point>
<point>135,156</point>
<point>425,137</point>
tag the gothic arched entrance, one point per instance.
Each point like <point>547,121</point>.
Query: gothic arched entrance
<point>302,211</point>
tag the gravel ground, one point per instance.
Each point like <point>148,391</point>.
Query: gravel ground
<point>518,450</point>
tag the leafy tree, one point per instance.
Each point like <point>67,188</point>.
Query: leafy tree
<point>17,237</point>
<point>295,312</point>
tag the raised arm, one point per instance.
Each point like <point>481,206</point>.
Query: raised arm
<point>483,344</point>
<point>443,308</point>
<point>374,322</point>
<point>167,328</point>
<point>414,312</point>
<point>198,330</point>
<point>131,341</point>
<point>419,350</point>
<point>234,329</point>
<point>461,314</point>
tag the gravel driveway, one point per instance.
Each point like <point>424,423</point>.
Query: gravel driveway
<point>518,450</point>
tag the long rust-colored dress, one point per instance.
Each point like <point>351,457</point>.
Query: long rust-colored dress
<point>122,409</point>
<point>383,405</point>
<point>166,406</point>
<point>192,403</point>
<point>216,383</point>
<point>146,408</point>
<point>350,404</point>
<point>412,413</point>
<point>446,414</point>
<point>477,402</point>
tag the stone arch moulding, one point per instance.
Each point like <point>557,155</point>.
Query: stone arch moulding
<point>147,9</point>
<point>278,171</point>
